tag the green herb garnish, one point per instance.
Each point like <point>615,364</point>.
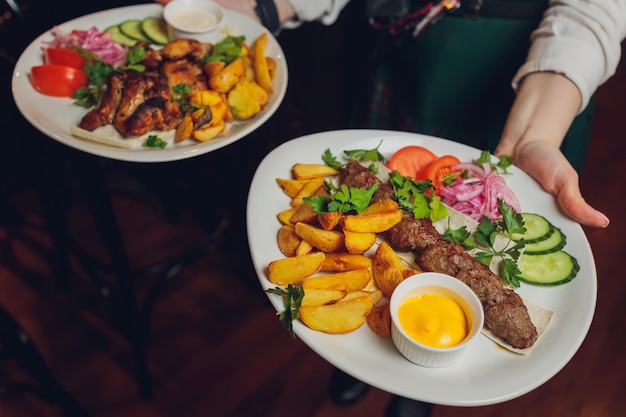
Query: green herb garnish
<point>343,199</point>
<point>417,197</point>
<point>292,300</point>
<point>135,55</point>
<point>97,73</point>
<point>154,141</point>
<point>483,239</point>
<point>226,50</point>
<point>358,155</point>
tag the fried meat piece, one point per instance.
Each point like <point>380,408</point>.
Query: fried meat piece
<point>412,234</point>
<point>184,71</point>
<point>505,313</point>
<point>357,176</point>
<point>105,112</point>
<point>146,105</point>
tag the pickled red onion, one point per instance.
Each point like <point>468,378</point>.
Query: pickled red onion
<point>478,195</point>
<point>99,43</point>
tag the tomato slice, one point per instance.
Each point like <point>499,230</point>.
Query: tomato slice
<point>64,56</point>
<point>57,80</point>
<point>408,161</point>
<point>437,169</point>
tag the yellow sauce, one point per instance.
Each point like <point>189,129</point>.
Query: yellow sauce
<point>433,320</point>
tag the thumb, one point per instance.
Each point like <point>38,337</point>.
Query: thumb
<point>575,206</point>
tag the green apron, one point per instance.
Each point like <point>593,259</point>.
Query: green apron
<point>455,82</point>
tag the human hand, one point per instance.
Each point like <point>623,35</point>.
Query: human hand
<point>544,108</point>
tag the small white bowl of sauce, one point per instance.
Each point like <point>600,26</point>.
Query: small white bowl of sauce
<point>193,19</point>
<point>435,317</point>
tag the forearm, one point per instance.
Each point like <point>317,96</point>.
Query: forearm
<point>580,39</point>
<point>544,108</point>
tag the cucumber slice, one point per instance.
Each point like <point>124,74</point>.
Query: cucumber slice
<point>132,29</point>
<point>555,242</point>
<point>537,228</point>
<point>118,36</point>
<point>155,29</point>
<point>550,269</point>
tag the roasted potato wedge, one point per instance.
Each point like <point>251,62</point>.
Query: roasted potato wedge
<point>294,269</point>
<point>314,186</point>
<point>387,269</point>
<point>342,261</point>
<point>184,129</point>
<point>376,295</point>
<point>211,69</point>
<point>330,220</point>
<point>303,248</point>
<point>304,214</point>
<point>285,216</point>
<point>288,240</point>
<point>338,318</point>
<point>206,133</point>
<point>349,280</point>
<point>380,207</point>
<point>318,297</point>
<point>290,186</point>
<point>324,240</point>
<point>246,99</point>
<point>358,243</point>
<point>226,79</point>
<point>373,223</point>
<point>259,63</point>
<point>379,320</point>
<point>308,171</point>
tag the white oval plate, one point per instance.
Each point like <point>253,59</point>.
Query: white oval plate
<point>53,116</point>
<point>486,374</point>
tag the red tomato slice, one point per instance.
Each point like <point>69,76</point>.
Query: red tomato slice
<point>438,169</point>
<point>408,161</point>
<point>64,56</point>
<point>57,80</point>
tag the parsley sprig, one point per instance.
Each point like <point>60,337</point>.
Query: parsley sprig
<point>343,199</point>
<point>153,141</point>
<point>417,197</point>
<point>483,239</point>
<point>359,155</point>
<point>292,300</point>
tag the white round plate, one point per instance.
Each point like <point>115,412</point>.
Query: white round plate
<point>486,374</point>
<point>53,116</point>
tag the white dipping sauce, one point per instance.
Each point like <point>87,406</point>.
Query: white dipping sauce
<point>193,19</point>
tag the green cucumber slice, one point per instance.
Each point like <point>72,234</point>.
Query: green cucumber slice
<point>537,228</point>
<point>550,269</point>
<point>555,242</point>
<point>155,29</point>
<point>132,29</point>
<point>118,36</point>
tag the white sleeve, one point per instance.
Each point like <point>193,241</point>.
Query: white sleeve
<point>579,39</point>
<point>325,11</point>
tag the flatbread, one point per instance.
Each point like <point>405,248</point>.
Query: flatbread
<point>108,135</point>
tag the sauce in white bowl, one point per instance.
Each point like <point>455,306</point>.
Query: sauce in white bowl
<point>193,19</point>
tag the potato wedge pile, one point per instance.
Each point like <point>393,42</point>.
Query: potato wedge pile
<point>237,91</point>
<point>347,279</point>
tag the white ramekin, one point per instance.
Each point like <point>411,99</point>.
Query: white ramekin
<point>434,283</point>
